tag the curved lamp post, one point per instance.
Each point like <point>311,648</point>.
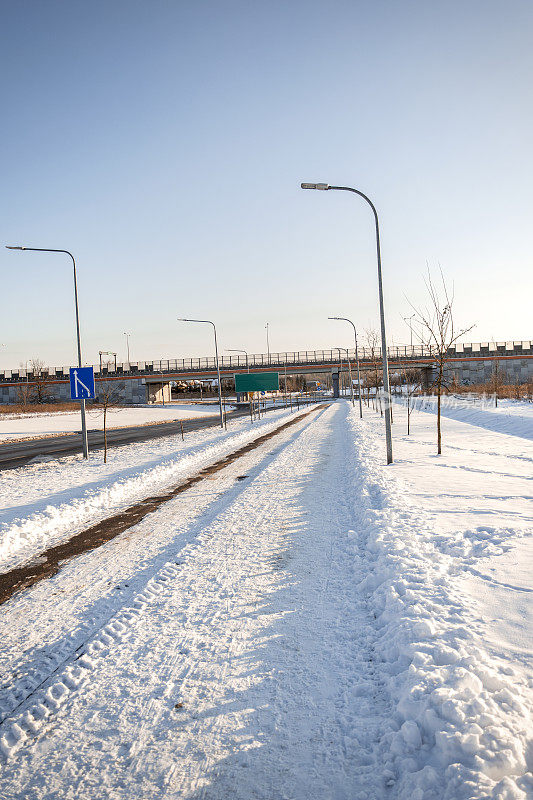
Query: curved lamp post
<point>237,350</point>
<point>82,402</point>
<point>349,370</point>
<point>127,335</point>
<point>268,342</point>
<point>345,319</point>
<point>386,387</point>
<point>407,320</point>
<point>208,322</point>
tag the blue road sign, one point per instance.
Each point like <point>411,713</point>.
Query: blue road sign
<point>82,383</point>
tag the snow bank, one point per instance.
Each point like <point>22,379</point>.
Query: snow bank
<point>167,460</point>
<point>461,725</point>
<point>514,421</point>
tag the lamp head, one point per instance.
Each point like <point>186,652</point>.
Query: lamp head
<point>14,247</point>
<point>322,186</point>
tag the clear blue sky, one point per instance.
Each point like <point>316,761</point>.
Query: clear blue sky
<point>164,142</point>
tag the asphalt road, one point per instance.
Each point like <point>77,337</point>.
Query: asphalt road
<point>16,454</point>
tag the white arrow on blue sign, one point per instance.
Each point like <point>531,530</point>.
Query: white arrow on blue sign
<point>82,383</point>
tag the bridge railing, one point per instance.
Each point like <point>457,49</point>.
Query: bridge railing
<point>277,361</point>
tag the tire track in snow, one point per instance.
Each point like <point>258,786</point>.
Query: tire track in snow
<point>314,698</point>
<point>36,698</point>
<point>49,562</point>
<point>54,657</point>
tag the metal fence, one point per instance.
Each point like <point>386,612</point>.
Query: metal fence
<point>277,361</point>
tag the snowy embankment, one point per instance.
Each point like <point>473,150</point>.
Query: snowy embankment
<point>514,418</point>
<point>464,713</point>
<point>305,627</point>
<point>46,503</point>
<point>34,425</point>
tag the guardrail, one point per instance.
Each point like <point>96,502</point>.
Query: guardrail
<point>276,361</point>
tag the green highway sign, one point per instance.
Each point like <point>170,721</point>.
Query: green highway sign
<point>257,382</point>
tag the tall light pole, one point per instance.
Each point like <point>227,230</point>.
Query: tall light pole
<point>107,353</point>
<point>349,370</point>
<point>82,402</point>
<point>386,387</point>
<point>208,322</point>
<point>236,350</point>
<point>127,335</point>
<point>340,370</point>
<point>345,319</point>
<point>268,343</point>
<point>407,320</point>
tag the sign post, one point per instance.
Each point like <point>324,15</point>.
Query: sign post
<point>82,383</point>
<point>257,382</point>
<point>82,388</point>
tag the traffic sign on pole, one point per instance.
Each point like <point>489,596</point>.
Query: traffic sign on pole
<point>82,383</point>
<point>257,381</point>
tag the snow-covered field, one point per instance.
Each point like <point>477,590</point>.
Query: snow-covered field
<point>512,417</point>
<point>23,426</point>
<point>307,624</point>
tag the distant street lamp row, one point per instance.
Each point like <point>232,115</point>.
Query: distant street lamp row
<point>320,186</point>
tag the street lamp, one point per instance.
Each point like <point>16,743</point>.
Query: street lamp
<point>236,350</point>
<point>268,343</point>
<point>208,322</point>
<point>386,387</point>
<point>349,370</point>
<point>340,370</point>
<point>127,335</point>
<point>107,353</point>
<point>82,402</point>
<point>345,319</point>
<point>407,320</point>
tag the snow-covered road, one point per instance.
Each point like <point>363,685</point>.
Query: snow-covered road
<point>295,627</point>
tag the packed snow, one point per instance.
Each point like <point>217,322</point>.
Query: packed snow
<point>33,425</point>
<point>47,502</point>
<point>512,417</point>
<point>307,624</point>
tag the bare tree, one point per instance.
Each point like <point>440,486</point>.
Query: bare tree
<point>413,380</point>
<point>108,395</point>
<point>24,391</point>
<point>438,325</point>
<point>372,340</point>
<point>41,379</point>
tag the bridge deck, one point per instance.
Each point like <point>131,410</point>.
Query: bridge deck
<point>302,360</point>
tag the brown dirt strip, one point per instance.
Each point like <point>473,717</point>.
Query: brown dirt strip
<point>50,561</point>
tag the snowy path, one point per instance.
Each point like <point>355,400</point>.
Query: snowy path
<point>304,617</point>
<point>236,606</point>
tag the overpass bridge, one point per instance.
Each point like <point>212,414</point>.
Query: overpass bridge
<point>149,381</point>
